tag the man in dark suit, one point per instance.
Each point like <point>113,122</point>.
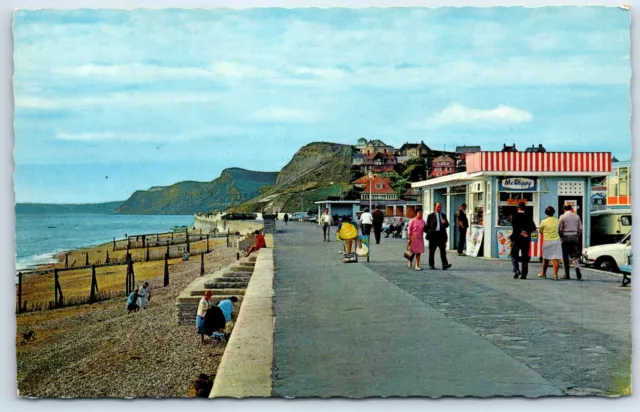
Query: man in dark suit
<point>523,226</point>
<point>378,220</point>
<point>436,229</point>
<point>463,225</point>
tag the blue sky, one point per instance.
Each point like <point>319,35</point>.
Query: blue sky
<point>108,101</point>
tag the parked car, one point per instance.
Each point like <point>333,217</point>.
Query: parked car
<point>310,219</point>
<point>610,257</point>
<point>297,216</point>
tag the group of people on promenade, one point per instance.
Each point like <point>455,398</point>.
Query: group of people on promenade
<point>139,298</point>
<point>368,220</point>
<point>435,229</point>
<point>562,240</point>
<point>215,320</point>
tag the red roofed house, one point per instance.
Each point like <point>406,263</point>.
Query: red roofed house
<point>378,163</point>
<point>441,166</point>
<point>378,187</point>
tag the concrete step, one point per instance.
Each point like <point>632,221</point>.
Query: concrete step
<point>227,285</point>
<point>197,294</point>
<point>211,283</point>
<point>240,268</point>
<point>244,275</point>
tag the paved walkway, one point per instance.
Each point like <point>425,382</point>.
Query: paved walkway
<point>379,329</point>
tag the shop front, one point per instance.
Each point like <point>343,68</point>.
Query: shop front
<point>495,183</point>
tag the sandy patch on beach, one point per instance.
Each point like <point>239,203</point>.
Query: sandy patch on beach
<point>101,351</point>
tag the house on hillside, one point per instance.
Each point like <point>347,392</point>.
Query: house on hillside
<point>442,166</point>
<point>358,159</point>
<point>379,188</point>
<point>533,149</point>
<point>467,149</point>
<point>413,150</point>
<point>376,146</point>
<point>378,163</point>
<point>362,142</point>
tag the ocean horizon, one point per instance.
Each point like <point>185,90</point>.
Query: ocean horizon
<point>39,237</point>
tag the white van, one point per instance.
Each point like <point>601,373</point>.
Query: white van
<point>610,225</point>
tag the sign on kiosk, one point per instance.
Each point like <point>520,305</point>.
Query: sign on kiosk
<point>519,184</point>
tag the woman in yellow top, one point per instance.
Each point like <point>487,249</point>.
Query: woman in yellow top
<point>551,246</point>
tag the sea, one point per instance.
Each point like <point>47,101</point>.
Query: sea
<point>40,236</point>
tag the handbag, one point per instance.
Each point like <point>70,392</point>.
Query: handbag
<point>408,254</point>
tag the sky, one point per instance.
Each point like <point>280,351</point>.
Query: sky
<point>108,102</point>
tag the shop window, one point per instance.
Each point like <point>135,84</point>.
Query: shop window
<point>508,206</point>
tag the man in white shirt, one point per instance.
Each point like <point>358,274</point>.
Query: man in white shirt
<point>366,221</point>
<point>325,221</point>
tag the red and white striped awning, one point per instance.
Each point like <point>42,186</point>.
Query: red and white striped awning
<point>556,162</point>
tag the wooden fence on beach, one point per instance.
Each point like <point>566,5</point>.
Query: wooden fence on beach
<point>128,260</point>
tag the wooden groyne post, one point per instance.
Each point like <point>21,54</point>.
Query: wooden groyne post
<point>106,259</point>
<point>19,293</point>
<point>166,269</point>
<point>86,258</point>
<point>186,233</point>
<point>66,260</point>
<point>114,244</point>
<point>59,300</point>
<point>207,243</point>
<point>94,285</point>
<point>201,264</point>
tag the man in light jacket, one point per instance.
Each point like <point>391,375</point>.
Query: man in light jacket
<point>366,220</point>
<point>325,221</point>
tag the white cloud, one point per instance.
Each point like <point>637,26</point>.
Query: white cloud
<point>457,113</point>
<point>283,115</point>
<point>134,71</point>
<point>133,99</point>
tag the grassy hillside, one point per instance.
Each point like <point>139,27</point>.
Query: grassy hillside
<point>316,171</point>
<point>234,186</point>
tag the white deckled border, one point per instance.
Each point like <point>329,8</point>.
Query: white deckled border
<point>245,368</point>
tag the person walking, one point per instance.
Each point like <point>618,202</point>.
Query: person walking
<point>286,219</point>
<point>463,225</point>
<point>325,221</point>
<point>570,230</point>
<point>552,247</point>
<point>522,226</point>
<point>366,221</point>
<point>436,229</point>
<point>415,233</point>
<point>378,220</point>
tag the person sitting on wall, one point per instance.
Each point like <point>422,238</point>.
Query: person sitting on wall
<point>260,243</point>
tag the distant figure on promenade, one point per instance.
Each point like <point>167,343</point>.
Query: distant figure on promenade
<point>378,220</point>
<point>286,219</point>
<point>226,305</point>
<point>570,229</point>
<point>203,307</point>
<point>436,229</point>
<point>144,295</point>
<point>325,221</point>
<point>347,232</point>
<point>260,243</point>
<point>415,233</point>
<point>132,302</point>
<point>552,247</point>
<point>366,220</point>
<point>523,226</point>
<point>463,225</point>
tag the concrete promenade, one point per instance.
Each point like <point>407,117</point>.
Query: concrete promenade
<point>380,329</point>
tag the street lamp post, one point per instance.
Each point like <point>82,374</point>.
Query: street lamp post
<point>370,188</point>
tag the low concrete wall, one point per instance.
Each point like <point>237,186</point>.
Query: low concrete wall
<point>223,226</point>
<point>245,368</point>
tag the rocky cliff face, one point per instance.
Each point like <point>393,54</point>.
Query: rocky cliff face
<point>316,171</point>
<point>233,187</point>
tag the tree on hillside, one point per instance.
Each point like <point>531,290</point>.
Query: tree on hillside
<point>415,169</point>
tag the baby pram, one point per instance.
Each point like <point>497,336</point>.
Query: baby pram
<point>352,243</point>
